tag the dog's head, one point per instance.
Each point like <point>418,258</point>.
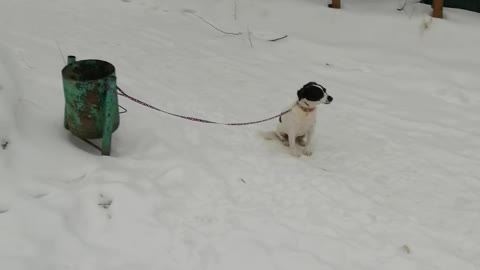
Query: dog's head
<point>313,94</point>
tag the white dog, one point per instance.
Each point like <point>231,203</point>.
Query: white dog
<point>298,124</point>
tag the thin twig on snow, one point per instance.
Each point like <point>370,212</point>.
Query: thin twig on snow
<point>61,52</point>
<point>249,36</point>
<point>235,10</point>
<point>276,39</point>
<point>205,21</point>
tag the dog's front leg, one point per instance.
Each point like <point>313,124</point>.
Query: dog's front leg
<point>292,144</point>
<point>307,150</point>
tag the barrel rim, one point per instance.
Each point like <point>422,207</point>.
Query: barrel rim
<point>67,69</point>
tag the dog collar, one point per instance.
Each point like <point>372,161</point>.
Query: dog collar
<point>307,110</point>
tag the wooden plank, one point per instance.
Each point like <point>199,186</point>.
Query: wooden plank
<point>437,9</point>
<point>335,4</point>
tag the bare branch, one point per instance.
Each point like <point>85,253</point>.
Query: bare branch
<point>249,36</point>
<point>205,21</point>
<point>276,39</point>
<point>62,55</point>
<point>235,10</point>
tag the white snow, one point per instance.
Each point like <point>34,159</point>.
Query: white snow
<point>394,182</point>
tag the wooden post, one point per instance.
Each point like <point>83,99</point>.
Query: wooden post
<point>335,4</point>
<point>437,9</point>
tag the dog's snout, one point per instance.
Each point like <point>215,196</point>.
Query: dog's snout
<point>330,98</point>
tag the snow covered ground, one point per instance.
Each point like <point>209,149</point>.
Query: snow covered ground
<point>394,182</point>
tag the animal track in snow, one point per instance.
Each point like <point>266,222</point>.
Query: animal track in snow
<point>105,202</point>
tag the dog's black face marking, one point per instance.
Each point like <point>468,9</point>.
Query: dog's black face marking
<point>314,92</point>
<point>310,93</point>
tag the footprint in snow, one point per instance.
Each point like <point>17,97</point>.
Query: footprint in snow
<point>455,96</point>
<point>105,202</point>
<point>39,195</point>
<point>4,207</point>
<point>4,144</point>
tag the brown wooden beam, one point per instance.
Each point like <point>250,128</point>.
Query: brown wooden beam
<point>335,4</point>
<point>437,9</point>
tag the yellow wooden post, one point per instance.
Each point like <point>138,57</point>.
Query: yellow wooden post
<point>437,9</point>
<point>335,4</point>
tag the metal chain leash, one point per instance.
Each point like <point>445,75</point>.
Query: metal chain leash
<point>195,119</point>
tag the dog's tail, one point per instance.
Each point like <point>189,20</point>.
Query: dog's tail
<point>268,135</point>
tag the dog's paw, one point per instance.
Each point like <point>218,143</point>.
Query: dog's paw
<point>307,152</point>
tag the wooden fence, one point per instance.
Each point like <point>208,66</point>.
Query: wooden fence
<point>437,7</point>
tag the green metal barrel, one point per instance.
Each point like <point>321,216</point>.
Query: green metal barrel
<point>91,102</point>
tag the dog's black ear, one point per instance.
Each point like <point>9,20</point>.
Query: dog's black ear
<point>301,93</point>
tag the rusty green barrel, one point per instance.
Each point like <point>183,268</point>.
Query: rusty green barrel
<point>91,102</point>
